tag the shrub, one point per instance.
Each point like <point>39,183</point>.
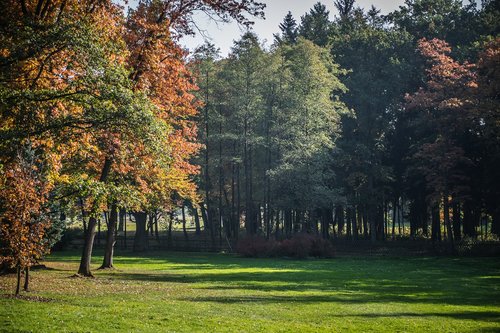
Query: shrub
<point>299,246</point>
<point>322,248</point>
<point>477,248</point>
<point>255,247</point>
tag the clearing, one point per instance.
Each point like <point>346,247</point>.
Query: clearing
<point>189,292</point>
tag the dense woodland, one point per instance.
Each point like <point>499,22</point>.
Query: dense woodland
<point>352,128</point>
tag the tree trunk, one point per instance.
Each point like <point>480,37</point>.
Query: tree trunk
<point>169,235</point>
<point>121,219</point>
<point>238,202</point>
<point>221,180</point>
<point>386,219</point>
<point>141,235</point>
<point>436,224</point>
<point>449,231</point>
<point>110,239</point>
<point>184,222</point>
<point>204,217</point>
<point>84,268</point>
<point>277,234</point>
<point>233,227</point>
<point>365,222</point>
<point>380,222</point>
<point>157,233</point>
<point>194,211</point>
<point>348,218</point>
<point>340,219</point>
<point>456,221</point>
<point>18,285</point>
<point>26,278</point>
<point>394,216</point>
<point>354,223</point>
<point>469,222</point>
<point>287,221</point>
<point>98,232</point>
<point>372,215</point>
<point>125,230</point>
<point>206,214</point>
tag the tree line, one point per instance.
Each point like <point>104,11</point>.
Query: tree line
<point>355,127</point>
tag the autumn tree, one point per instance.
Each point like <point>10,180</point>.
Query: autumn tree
<point>24,220</point>
<point>65,89</point>
<point>440,156</point>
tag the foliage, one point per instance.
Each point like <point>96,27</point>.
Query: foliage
<point>315,25</point>
<point>24,221</point>
<point>289,30</point>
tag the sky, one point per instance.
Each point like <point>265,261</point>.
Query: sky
<point>223,34</point>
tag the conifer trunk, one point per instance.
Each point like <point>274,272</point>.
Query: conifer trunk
<point>449,231</point>
<point>456,221</point>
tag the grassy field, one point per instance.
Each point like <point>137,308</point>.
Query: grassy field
<point>179,292</point>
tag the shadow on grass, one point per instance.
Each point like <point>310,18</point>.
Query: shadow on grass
<point>337,287</point>
<point>493,316</point>
<point>454,281</point>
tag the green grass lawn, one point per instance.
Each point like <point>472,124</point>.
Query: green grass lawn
<point>180,292</point>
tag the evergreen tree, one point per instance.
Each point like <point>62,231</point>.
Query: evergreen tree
<point>289,30</point>
<point>315,25</point>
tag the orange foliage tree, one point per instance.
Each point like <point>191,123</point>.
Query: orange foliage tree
<point>106,101</point>
<point>456,110</point>
<point>23,220</point>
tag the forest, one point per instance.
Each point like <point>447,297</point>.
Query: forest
<point>350,129</point>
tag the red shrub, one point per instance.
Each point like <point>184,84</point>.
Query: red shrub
<point>255,247</point>
<point>300,246</point>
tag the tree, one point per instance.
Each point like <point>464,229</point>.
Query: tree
<point>243,76</point>
<point>447,112</point>
<point>177,15</point>
<point>205,70</point>
<point>487,104</point>
<point>345,7</point>
<point>315,25</point>
<point>24,221</point>
<point>378,76</point>
<point>307,120</point>
<point>66,90</point>
<point>289,30</point>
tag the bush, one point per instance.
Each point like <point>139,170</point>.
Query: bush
<point>478,248</point>
<point>255,247</point>
<point>299,246</point>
